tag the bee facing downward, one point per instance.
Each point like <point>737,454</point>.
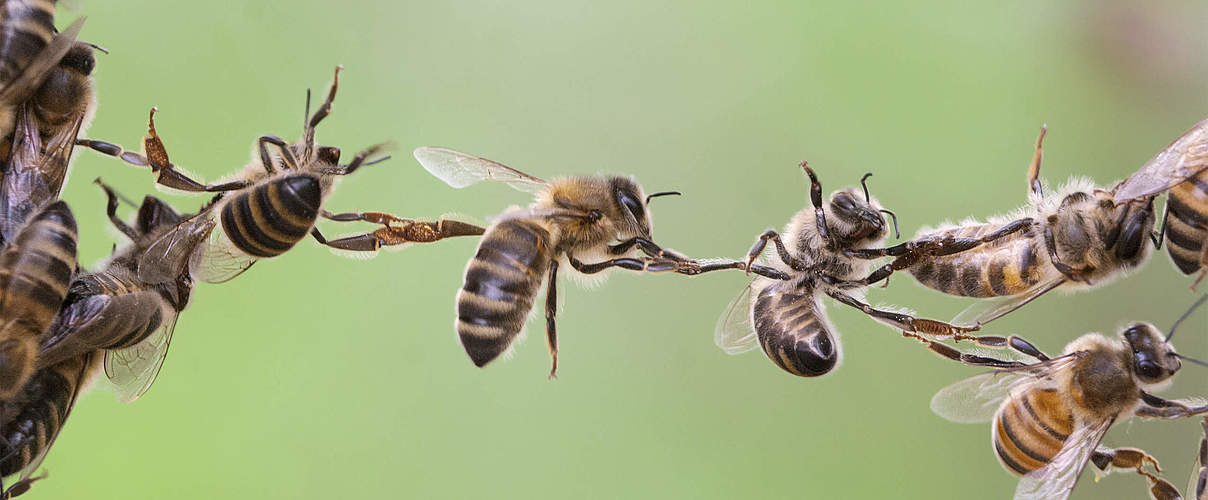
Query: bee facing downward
<point>590,223</point>
<point>1050,415</point>
<point>787,317</point>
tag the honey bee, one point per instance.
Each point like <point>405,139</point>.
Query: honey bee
<point>1079,237</point>
<point>1197,485</point>
<point>276,200</point>
<point>35,271</point>
<point>1049,415</point>
<point>1181,168</point>
<point>590,223</point>
<point>788,318</point>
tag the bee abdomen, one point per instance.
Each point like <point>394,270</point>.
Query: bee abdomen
<point>1187,224</point>
<point>501,281</point>
<point>793,332</point>
<point>44,406</point>
<point>26,27</point>
<point>1030,429</point>
<point>268,219</point>
<point>1005,269</point>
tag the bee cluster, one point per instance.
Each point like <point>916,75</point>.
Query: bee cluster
<point>64,324</point>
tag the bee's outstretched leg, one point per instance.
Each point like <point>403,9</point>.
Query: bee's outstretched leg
<point>111,211</point>
<point>647,247</point>
<point>21,486</point>
<point>1034,187</point>
<point>657,265</point>
<point>359,160</point>
<point>157,159</point>
<point>1156,407</point>
<point>262,144</point>
<point>951,353</point>
<point>756,250</point>
<point>551,311</point>
<point>1161,489</point>
<point>1010,342</point>
<point>690,266</point>
<point>325,108</point>
<point>1123,458</point>
<point>816,201</point>
<point>909,253</point>
<point>408,231</point>
<point>901,321</point>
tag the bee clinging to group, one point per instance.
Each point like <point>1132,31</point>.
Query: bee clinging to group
<point>64,322</point>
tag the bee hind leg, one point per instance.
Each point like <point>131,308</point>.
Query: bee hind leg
<point>901,321</point>
<point>551,312</point>
<point>965,358</point>
<point>21,486</point>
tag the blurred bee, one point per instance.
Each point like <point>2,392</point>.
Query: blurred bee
<point>35,271</point>
<point>1181,168</point>
<point>1076,238</point>
<point>1197,485</point>
<point>787,317</point>
<point>1049,415</point>
<point>589,223</point>
<point>277,198</point>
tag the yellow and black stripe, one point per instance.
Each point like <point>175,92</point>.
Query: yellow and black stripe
<point>793,332</point>
<point>1187,223</point>
<point>501,282</point>
<point>1007,266</point>
<point>35,272</point>
<point>1030,429</point>
<point>26,27</point>
<point>39,414</point>
<point>269,218</point>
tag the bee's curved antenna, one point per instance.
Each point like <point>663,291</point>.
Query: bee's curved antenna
<point>896,234</point>
<point>1185,316</point>
<point>867,198</point>
<point>1193,360</point>
<point>662,193</point>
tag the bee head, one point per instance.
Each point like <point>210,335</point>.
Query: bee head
<point>1154,359</point>
<point>66,89</point>
<point>630,205</point>
<point>154,213</point>
<point>856,217</point>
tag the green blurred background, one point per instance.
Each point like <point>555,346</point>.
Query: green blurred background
<point>315,376</point>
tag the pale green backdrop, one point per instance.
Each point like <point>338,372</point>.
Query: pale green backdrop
<point>316,376</point>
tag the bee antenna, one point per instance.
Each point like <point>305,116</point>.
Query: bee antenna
<point>894,217</point>
<point>119,196</point>
<point>1193,360</point>
<point>662,193</point>
<point>867,198</point>
<point>1185,315</point>
<point>306,115</point>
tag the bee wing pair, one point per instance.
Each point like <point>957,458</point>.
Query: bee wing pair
<point>459,170</point>
<point>1183,158</point>
<point>977,399</point>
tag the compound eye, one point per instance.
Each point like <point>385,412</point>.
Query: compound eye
<point>1148,370</point>
<point>631,204</point>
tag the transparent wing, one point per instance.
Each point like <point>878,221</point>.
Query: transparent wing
<point>459,169</point>
<point>20,89</point>
<point>734,333</point>
<point>985,311</point>
<point>1056,480</point>
<point>171,253</point>
<point>1183,158</point>
<point>977,398</point>
<point>54,164</point>
<point>133,369</point>
<point>219,261</point>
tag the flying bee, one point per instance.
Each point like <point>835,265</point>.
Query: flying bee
<point>276,200</point>
<point>35,272</point>
<point>30,421</point>
<point>590,223</point>
<point>788,318</point>
<point>1079,237</point>
<point>1049,415</point>
<point>1181,168</point>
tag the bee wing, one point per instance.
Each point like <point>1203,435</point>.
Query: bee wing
<point>32,76</point>
<point>1056,480</point>
<point>133,369</point>
<point>734,333</point>
<point>54,164</point>
<point>459,169</point>
<point>1183,158</point>
<point>977,398</point>
<point>168,256</point>
<point>985,311</point>
<point>218,260</point>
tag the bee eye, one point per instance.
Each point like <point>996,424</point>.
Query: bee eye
<point>631,204</point>
<point>1148,370</point>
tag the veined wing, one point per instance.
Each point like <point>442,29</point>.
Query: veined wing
<point>133,369</point>
<point>977,398</point>
<point>734,332</point>
<point>32,76</point>
<point>459,169</point>
<point>219,260</point>
<point>985,311</point>
<point>1183,158</point>
<point>54,164</point>
<point>171,254</point>
<point>1056,480</point>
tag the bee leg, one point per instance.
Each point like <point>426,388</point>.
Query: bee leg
<point>1011,342</point>
<point>551,311</point>
<point>325,109</point>
<point>165,173</point>
<point>1156,407</point>
<point>1034,187</point>
<point>1161,489</point>
<point>22,486</point>
<point>368,242</point>
<point>963,357</point>
<point>358,161</point>
<point>409,230</point>
<point>909,253</point>
<point>901,321</point>
<point>111,211</point>
<point>647,247</point>
<point>266,160</point>
<point>816,200</point>
<point>1160,237</point>
<point>793,262</point>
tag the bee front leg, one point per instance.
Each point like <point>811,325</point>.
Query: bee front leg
<point>1034,187</point>
<point>757,250</point>
<point>1156,407</point>
<point>901,321</point>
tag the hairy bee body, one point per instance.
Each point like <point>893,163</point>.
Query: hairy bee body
<point>1007,266</point>
<point>33,419</point>
<point>501,283</point>
<point>269,218</point>
<point>26,27</point>
<point>1187,224</point>
<point>35,272</point>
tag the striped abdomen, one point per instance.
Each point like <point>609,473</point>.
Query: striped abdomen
<point>32,422</point>
<point>793,330</point>
<point>1187,223</point>
<point>267,219</point>
<point>26,27</point>
<point>1030,428</point>
<point>501,281</point>
<point>35,271</point>
<point>1007,266</point>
